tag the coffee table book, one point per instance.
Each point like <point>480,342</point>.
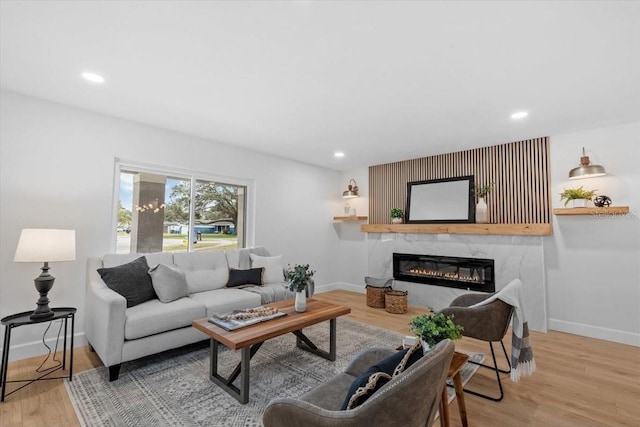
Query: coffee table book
<point>232,325</point>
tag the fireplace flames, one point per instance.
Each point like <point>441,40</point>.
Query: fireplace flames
<point>446,275</point>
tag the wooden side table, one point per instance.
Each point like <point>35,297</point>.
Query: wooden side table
<point>22,319</point>
<point>458,361</point>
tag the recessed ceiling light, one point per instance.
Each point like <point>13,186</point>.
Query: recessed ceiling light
<point>93,77</point>
<point>519,115</point>
<point>338,154</point>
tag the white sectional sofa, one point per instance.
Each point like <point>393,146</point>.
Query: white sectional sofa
<point>119,334</point>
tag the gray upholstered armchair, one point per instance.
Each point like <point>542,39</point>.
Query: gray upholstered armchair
<point>488,322</point>
<point>410,399</point>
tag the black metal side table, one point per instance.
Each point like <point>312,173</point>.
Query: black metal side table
<point>21,319</point>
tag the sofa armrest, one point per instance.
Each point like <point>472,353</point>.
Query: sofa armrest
<point>105,318</point>
<point>286,412</point>
<point>366,359</point>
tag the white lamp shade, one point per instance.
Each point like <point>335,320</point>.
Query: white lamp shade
<point>46,245</point>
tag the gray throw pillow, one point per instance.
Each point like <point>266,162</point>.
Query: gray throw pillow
<point>130,280</point>
<point>169,282</point>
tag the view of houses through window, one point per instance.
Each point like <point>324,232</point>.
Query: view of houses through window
<point>161,213</point>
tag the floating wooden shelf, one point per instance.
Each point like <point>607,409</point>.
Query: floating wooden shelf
<point>350,218</point>
<point>611,210</point>
<point>500,229</point>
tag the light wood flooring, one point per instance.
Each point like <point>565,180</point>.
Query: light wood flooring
<point>579,382</point>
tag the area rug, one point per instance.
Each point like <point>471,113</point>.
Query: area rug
<point>173,388</point>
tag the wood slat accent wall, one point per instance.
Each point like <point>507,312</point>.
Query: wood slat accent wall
<point>519,170</point>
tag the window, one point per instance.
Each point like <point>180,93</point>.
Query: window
<point>159,212</point>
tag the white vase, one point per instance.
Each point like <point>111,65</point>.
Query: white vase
<point>396,220</point>
<point>579,203</point>
<point>300,304</point>
<point>481,211</point>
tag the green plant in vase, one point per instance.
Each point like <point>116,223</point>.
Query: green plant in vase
<point>397,215</point>
<point>433,328</point>
<point>577,194</point>
<point>298,278</point>
<point>482,212</point>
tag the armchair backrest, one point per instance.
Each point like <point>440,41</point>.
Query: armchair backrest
<point>413,397</point>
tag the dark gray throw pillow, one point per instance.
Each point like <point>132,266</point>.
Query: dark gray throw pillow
<point>130,280</point>
<point>251,276</point>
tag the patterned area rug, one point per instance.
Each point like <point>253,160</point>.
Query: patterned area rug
<point>173,388</point>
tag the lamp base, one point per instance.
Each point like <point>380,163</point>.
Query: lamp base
<point>43,284</point>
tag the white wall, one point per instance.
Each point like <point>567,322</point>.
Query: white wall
<point>57,171</point>
<point>593,263</point>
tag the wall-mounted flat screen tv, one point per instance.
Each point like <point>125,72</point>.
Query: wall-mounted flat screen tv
<point>448,200</point>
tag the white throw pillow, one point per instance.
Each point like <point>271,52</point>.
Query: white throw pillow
<point>273,270</point>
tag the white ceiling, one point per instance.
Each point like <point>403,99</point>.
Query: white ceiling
<point>381,81</point>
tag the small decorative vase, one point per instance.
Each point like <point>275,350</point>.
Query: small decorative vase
<point>300,304</point>
<point>579,203</point>
<point>396,220</point>
<point>481,211</point>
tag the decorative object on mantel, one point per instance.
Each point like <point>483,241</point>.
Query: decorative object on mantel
<point>602,201</point>
<point>579,196</point>
<point>433,328</point>
<point>45,245</point>
<point>586,169</point>
<point>376,290</point>
<point>397,215</point>
<point>481,191</point>
<point>298,278</point>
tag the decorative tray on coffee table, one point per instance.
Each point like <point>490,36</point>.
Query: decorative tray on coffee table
<point>240,318</point>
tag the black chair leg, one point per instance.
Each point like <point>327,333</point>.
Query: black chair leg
<point>497,371</point>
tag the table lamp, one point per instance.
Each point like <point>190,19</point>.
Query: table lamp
<point>45,245</point>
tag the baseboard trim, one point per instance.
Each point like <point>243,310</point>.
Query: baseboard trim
<point>597,332</point>
<point>340,286</point>
<point>36,348</point>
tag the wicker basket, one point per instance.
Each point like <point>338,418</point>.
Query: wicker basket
<point>396,302</point>
<point>375,296</point>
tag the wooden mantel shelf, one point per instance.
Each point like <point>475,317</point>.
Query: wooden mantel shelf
<point>350,218</point>
<point>611,210</point>
<point>498,229</point>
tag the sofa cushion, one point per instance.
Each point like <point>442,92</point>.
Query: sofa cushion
<point>169,282</point>
<point>112,260</point>
<point>223,301</point>
<point>204,271</point>
<point>153,317</point>
<point>239,258</point>
<point>273,267</point>
<point>250,276</point>
<point>131,280</point>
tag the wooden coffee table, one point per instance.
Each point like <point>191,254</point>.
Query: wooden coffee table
<point>250,339</point>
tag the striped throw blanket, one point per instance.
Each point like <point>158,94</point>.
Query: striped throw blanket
<point>522,363</point>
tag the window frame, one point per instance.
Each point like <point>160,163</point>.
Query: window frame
<point>192,175</point>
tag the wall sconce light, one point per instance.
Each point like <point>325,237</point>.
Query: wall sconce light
<point>586,169</point>
<point>352,190</point>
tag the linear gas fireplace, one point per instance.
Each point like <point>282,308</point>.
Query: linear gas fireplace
<point>475,274</point>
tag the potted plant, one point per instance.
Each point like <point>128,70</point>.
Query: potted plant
<point>433,328</point>
<point>397,215</point>
<point>579,195</point>
<point>481,191</point>
<point>298,277</point>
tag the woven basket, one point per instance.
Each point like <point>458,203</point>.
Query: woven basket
<point>396,302</point>
<point>375,296</point>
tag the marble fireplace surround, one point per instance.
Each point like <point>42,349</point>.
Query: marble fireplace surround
<point>516,257</point>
